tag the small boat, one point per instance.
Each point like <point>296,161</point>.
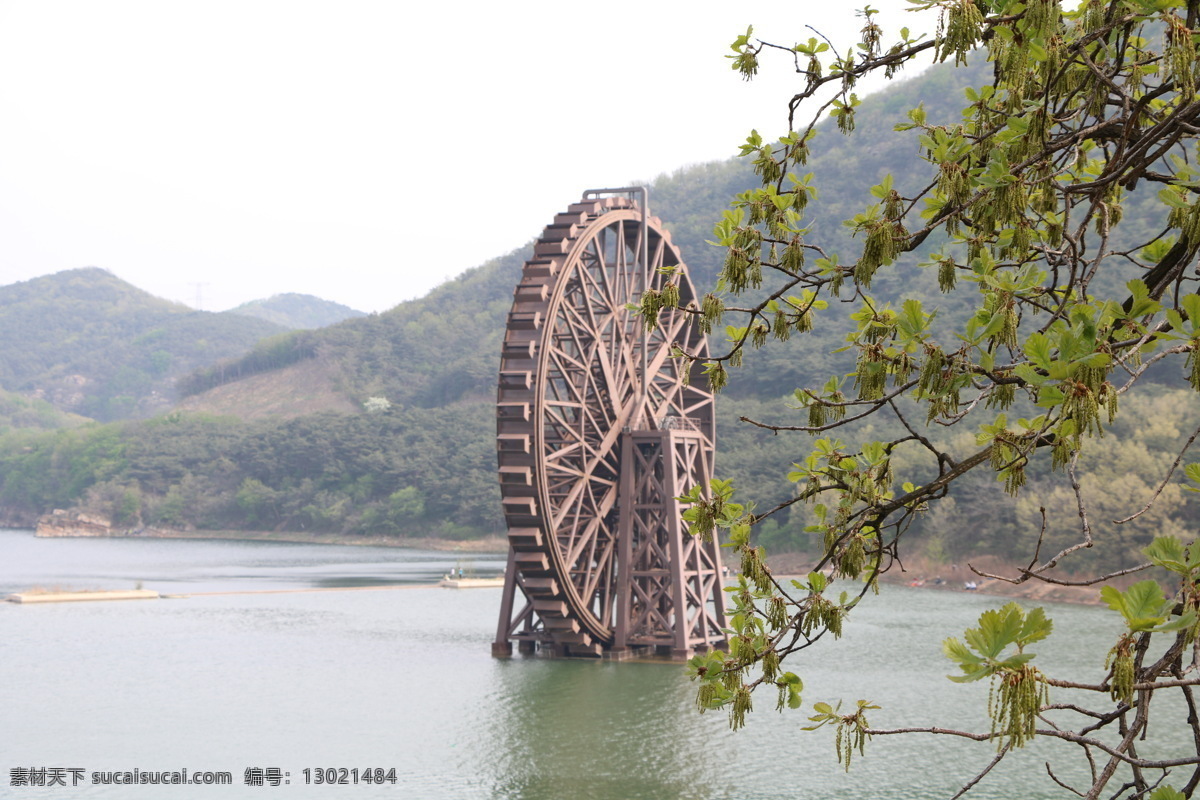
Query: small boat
<point>463,577</point>
<point>970,586</point>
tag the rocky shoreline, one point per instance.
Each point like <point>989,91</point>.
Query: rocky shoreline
<point>74,524</point>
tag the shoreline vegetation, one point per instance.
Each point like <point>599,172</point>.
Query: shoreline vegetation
<point>486,544</point>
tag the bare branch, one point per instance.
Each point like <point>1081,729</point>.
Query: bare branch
<point>971,783</point>
<point>1165,480</point>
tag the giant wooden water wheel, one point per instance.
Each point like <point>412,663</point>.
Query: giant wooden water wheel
<point>599,429</point>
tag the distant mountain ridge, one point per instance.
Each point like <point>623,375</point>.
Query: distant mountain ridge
<point>297,311</point>
<point>89,343</point>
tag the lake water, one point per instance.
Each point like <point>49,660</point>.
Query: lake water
<point>402,678</point>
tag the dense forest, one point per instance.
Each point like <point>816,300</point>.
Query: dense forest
<point>370,473</point>
<point>418,459</point>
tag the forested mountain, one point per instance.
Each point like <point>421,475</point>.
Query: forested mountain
<point>27,413</point>
<point>88,343</point>
<point>403,441</point>
<point>297,311</point>
<point>428,352</point>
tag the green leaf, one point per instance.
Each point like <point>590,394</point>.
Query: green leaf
<point>997,630</point>
<point>1050,396</point>
<point>1182,622</point>
<point>1030,375</point>
<point>981,655</point>
<point>1142,605</point>
<point>1166,793</point>
<point>1095,360</point>
<point>1191,305</point>
<point>1036,627</point>
<point>1172,198</point>
<point>1168,552</point>
<point>957,651</point>
<point>1141,303</point>
<point>1015,662</point>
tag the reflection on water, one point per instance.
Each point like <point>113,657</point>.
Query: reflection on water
<point>597,730</point>
<point>405,679</point>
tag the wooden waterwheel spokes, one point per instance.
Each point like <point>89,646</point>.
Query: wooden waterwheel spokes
<point>578,375</point>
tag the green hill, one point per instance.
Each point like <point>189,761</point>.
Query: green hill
<point>429,352</point>
<point>297,311</point>
<point>25,413</point>
<point>90,344</point>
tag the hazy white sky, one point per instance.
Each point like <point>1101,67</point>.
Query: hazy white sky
<point>361,150</point>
